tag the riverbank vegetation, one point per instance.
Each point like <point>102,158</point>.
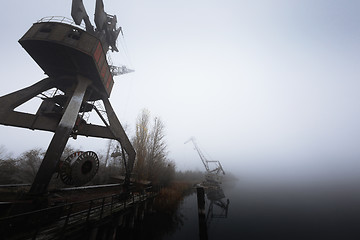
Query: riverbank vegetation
<point>152,165</point>
<point>170,196</point>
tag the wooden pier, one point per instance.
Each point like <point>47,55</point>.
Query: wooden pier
<point>98,218</point>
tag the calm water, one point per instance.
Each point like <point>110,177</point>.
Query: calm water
<point>257,211</point>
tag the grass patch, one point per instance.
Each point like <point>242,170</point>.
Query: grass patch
<point>169,197</point>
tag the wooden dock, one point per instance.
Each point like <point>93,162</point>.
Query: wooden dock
<point>91,219</point>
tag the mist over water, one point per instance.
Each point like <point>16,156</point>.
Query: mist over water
<point>281,207</point>
<point>300,211</point>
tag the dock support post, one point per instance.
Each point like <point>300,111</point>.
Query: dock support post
<point>93,234</point>
<point>133,215</point>
<point>142,211</point>
<point>201,213</point>
<point>120,221</point>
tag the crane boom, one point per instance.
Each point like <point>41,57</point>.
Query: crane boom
<point>119,70</point>
<point>202,157</point>
<point>206,162</point>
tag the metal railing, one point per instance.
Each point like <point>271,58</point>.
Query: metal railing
<point>60,19</point>
<point>54,221</point>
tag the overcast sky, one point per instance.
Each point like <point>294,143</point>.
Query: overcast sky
<point>269,88</point>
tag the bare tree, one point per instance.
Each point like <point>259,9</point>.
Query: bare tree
<point>157,151</point>
<point>29,163</point>
<point>151,148</point>
<point>140,142</point>
<point>9,171</point>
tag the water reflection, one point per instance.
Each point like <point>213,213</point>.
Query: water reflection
<point>183,222</point>
<point>218,207</point>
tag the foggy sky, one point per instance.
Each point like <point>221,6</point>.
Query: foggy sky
<point>269,88</point>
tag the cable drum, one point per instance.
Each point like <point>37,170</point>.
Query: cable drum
<point>66,168</point>
<point>79,168</point>
<point>84,168</point>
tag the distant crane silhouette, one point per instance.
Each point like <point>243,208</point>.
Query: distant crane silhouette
<point>212,174</point>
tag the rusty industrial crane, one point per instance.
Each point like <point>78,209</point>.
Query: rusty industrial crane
<point>212,173</point>
<point>75,59</point>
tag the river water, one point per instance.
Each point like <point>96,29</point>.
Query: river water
<point>260,211</point>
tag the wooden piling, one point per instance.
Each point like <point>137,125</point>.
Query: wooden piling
<point>201,213</point>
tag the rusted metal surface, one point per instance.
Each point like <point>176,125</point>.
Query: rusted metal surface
<point>47,123</point>
<point>15,99</point>
<point>61,50</point>
<point>60,138</point>
<point>120,135</point>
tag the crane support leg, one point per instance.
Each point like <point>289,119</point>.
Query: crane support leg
<point>11,101</point>
<point>60,138</point>
<point>119,134</point>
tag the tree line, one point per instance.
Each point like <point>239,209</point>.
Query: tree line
<point>152,162</point>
